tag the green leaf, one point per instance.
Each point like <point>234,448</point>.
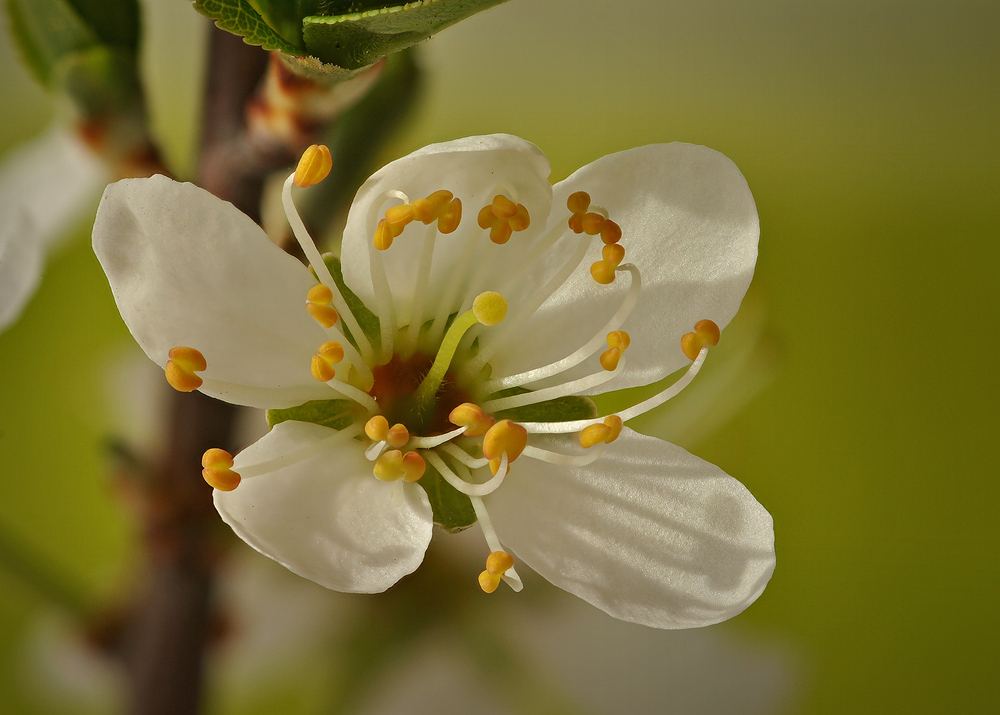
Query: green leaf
<point>240,18</point>
<point>47,32</point>
<point>285,16</point>
<point>335,414</point>
<point>561,409</point>
<point>368,321</point>
<point>453,510</point>
<point>115,22</point>
<point>373,30</point>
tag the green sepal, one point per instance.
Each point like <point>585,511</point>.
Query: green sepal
<point>368,321</point>
<point>560,409</point>
<point>47,32</point>
<point>372,31</point>
<point>453,511</point>
<point>335,414</point>
<point>240,18</point>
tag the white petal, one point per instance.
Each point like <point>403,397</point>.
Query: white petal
<point>20,266</point>
<point>52,180</point>
<point>475,169</point>
<point>188,269</point>
<point>327,518</point>
<point>689,223</point>
<point>647,533</point>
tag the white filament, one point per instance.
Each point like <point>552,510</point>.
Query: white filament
<point>459,454</point>
<point>566,460</point>
<point>511,577</point>
<point>353,393</point>
<point>434,441</point>
<point>551,393</point>
<point>467,488</point>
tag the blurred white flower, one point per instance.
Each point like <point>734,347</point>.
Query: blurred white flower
<point>44,187</point>
<point>410,344</point>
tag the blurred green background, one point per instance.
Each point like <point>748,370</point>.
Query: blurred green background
<point>868,132</point>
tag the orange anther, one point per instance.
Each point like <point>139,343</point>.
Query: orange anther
<point>596,433</point>
<point>397,435</point>
<point>501,232</point>
<point>503,217</point>
<point>611,232</point>
<point>603,272</point>
<point>610,358</point>
<point>385,232</point>
<point>429,210</point>
<point>376,428</point>
<point>400,216</point>
<point>451,217</point>
<point>576,223</point>
<point>488,582</point>
<point>473,418</point>
<point>503,207</point>
<point>498,562</point>
<point>706,334</point>
<point>593,223</point>
<point>414,467</point>
<point>619,339</point>
<point>520,220</point>
<point>505,436</point>
<point>181,367</point>
<point>330,353</point>
<point>217,470</point>
<point>313,167</point>
<point>578,202</point>
<point>613,423</point>
<point>613,253</point>
<point>486,218</point>
<point>389,466</point>
<point>318,304</point>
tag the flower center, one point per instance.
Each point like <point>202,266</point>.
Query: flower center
<point>395,390</point>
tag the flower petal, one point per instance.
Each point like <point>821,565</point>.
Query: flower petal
<point>326,517</point>
<point>188,269</point>
<point>475,169</point>
<point>690,225</point>
<point>20,267</point>
<point>647,533</point>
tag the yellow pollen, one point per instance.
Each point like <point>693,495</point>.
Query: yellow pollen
<point>593,223</point>
<point>473,418</point>
<point>330,353</point>
<point>603,272</point>
<point>376,428</point>
<point>400,215</point>
<point>578,202</point>
<point>314,166</point>
<point>385,232</point>
<point>502,217</point>
<point>618,342</point>
<point>217,470</point>
<point>489,308</point>
<point>181,367</point>
<point>397,435</point>
<point>613,253</point>
<point>596,433</point>
<point>504,436</point>
<point>706,334</point>
<point>451,217</point>
<point>497,565</point>
<point>611,232</point>
<point>318,304</point>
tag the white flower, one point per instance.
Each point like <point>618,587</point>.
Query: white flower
<point>44,186</point>
<point>482,332</point>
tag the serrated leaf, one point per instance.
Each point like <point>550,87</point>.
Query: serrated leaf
<point>364,36</point>
<point>335,414</point>
<point>561,409</point>
<point>453,511</point>
<point>240,18</point>
<point>368,321</point>
<point>285,16</point>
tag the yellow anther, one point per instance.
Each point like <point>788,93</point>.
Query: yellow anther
<point>618,342</point>
<point>596,433</point>
<point>502,218</point>
<point>576,223</point>
<point>613,253</point>
<point>376,428</point>
<point>593,223</point>
<point>430,209</point>
<point>578,202</point>
<point>501,232</point>
<point>397,435</point>
<point>389,466</point>
<point>520,220</point>
<point>400,215</point>
<point>451,217</point>
<point>318,304</point>
<point>706,333</point>
<point>497,564</point>
<point>503,207</point>
<point>486,218</point>
<point>611,232</point>
<point>181,367</point>
<point>330,353</point>
<point>489,308</point>
<point>385,232</point>
<point>473,418</point>
<point>504,436</point>
<point>414,467</point>
<point>217,470</point>
<point>314,166</point>
<point>603,272</point>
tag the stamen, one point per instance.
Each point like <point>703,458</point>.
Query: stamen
<point>330,353</point>
<point>312,254</point>
<point>467,488</point>
<point>489,308</point>
<point>549,393</point>
<point>181,367</point>
<point>511,577</point>
<point>453,450</point>
<point>393,465</point>
<point>497,564</point>
<point>314,166</point>
<point>353,393</point>
<point>397,435</point>
<point>706,334</point>
<point>502,217</point>
<point>431,442</point>
<point>598,433</point>
<point>376,428</point>
<point>618,342</point>
<point>566,460</point>
<point>504,440</point>
<point>218,470</point>
<point>473,418</point>
<point>318,301</point>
